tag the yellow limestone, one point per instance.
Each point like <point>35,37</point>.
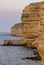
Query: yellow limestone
<point>33,26</point>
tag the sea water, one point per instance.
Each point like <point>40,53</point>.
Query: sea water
<point>12,55</point>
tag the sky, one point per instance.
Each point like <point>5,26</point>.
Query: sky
<point>10,12</point>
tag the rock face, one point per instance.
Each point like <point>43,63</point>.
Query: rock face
<point>31,21</point>
<point>33,26</point>
<point>17,29</point>
<point>41,34</point>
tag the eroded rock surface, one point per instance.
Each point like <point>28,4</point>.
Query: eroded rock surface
<point>31,22</point>
<point>16,29</point>
<point>33,28</point>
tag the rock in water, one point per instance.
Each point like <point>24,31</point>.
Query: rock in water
<point>6,42</point>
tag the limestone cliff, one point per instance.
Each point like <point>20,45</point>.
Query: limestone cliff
<point>32,27</point>
<point>16,29</point>
<point>31,22</point>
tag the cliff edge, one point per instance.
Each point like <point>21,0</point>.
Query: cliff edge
<point>16,30</point>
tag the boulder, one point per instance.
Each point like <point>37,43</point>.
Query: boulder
<point>6,42</point>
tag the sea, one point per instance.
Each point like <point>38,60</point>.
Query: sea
<point>12,55</point>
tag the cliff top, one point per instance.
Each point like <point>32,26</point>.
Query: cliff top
<point>18,25</point>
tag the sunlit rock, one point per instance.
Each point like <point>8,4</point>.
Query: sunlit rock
<point>16,30</point>
<point>32,29</point>
<point>31,23</point>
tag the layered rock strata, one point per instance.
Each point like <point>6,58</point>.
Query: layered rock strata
<point>40,46</point>
<point>16,29</point>
<point>31,22</point>
<point>33,27</point>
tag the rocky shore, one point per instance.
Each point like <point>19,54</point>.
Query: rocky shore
<point>31,29</point>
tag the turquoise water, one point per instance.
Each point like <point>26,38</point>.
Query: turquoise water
<point>12,55</point>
